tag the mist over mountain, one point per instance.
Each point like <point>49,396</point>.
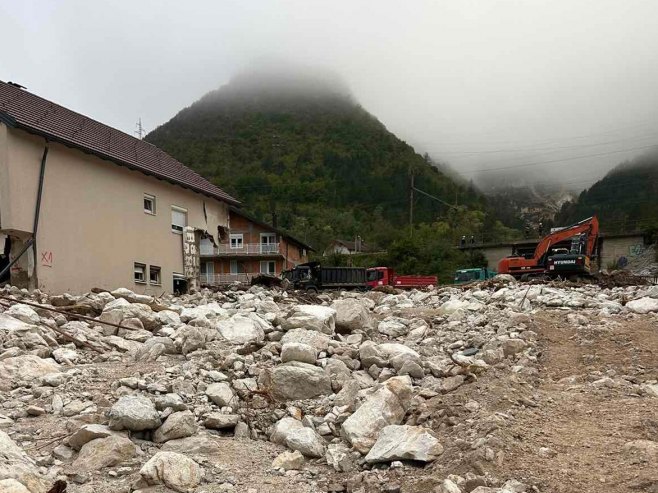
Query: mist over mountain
<point>295,146</point>
<point>625,199</point>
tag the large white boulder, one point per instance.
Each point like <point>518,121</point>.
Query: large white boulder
<point>24,313</point>
<point>175,471</point>
<point>178,425</point>
<point>295,351</point>
<point>402,442</point>
<point>241,329</point>
<point>313,338</point>
<point>384,406</point>
<point>312,317</point>
<point>25,368</point>
<point>135,413</point>
<point>352,315</point>
<point>296,380</point>
<point>643,305</point>
<point>103,452</point>
<point>17,466</point>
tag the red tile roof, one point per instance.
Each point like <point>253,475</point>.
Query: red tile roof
<point>36,115</point>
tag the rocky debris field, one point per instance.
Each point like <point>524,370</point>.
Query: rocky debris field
<point>500,387</point>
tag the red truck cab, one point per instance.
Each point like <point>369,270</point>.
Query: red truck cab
<point>386,276</point>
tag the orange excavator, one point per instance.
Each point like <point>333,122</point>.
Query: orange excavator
<point>553,259</point>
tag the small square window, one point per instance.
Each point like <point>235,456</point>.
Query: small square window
<point>149,204</point>
<point>237,241</point>
<point>154,275</point>
<point>139,273</point>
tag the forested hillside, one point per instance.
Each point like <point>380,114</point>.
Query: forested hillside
<point>625,199</point>
<point>304,150</point>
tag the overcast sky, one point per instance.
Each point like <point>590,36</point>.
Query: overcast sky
<point>481,84</point>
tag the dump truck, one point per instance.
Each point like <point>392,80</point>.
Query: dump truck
<point>313,277</point>
<point>386,276</point>
<point>566,252</point>
<point>463,276</point>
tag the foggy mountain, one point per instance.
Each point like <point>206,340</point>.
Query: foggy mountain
<point>295,144</point>
<point>626,199</point>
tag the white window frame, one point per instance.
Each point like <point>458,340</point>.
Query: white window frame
<point>265,247</point>
<point>267,264</point>
<point>179,210</point>
<point>239,241</point>
<point>151,198</point>
<point>139,269</point>
<point>158,270</point>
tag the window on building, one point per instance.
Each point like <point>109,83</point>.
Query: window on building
<point>237,241</point>
<point>139,272</point>
<point>154,275</point>
<point>149,204</point>
<point>268,243</point>
<point>178,219</point>
<point>268,267</point>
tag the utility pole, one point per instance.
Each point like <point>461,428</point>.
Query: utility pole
<point>411,205</point>
<point>140,130</point>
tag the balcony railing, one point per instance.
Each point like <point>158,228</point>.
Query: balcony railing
<point>244,249</point>
<point>223,279</point>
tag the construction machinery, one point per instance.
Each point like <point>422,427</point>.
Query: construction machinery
<point>567,252</point>
<point>463,276</point>
<point>386,276</point>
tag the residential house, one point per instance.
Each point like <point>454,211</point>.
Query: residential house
<point>83,205</point>
<point>252,247</point>
<point>347,247</point>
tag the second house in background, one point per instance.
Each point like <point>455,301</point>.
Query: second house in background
<point>251,248</point>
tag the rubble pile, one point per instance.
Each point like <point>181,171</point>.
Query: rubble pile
<point>363,392</point>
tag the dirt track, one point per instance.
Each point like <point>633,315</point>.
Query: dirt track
<point>585,426</point>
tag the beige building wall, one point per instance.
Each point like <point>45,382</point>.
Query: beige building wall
<point>613,248</point>
<point>495,254</point>
<point>93,227</point>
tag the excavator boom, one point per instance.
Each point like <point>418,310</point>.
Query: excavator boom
<point>559,263</point>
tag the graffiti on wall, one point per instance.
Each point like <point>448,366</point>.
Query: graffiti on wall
<point>635,250</point>
<point>46,259</point>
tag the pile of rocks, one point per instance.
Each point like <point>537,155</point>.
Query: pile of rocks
<point>354,385</point>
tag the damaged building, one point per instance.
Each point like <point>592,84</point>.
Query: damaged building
<point>83,205</point>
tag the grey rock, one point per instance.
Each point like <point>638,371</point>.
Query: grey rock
<point>295,381</point>
<point>289,460</point>
<point>175,471</point>
<point>221,394</point>
<point>402,442</point>
<point>134,413</point>
<point>103,452</point>
<point>180,424</point>
<point>295,351</point>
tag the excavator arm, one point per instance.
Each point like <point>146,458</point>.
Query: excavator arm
<point>589,226</point>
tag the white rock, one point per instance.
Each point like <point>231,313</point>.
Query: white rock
<point>173,470</point>
<point>24,313</point>
<point>306,441</point>
<point>296,380</point>
<point>134,413</point>
<point>288,460</point>
<point>402,442</point>
<point>352,315</point>
<point>63,354</point>
<point>89,432</point>
<point>295,351</point>
<point>283,428</point>
<point>26,368</point>
<point>178,425</point>
<point>221,394</point>
<point>103,452</point>
<point>312,317</point>
<point>16,465</point>
<point>241,329</point>
<point>643,305</point>
<point>313,338</point>
<point>385,406</point>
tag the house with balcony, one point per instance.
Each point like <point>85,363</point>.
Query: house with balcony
<point>250,248</point>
